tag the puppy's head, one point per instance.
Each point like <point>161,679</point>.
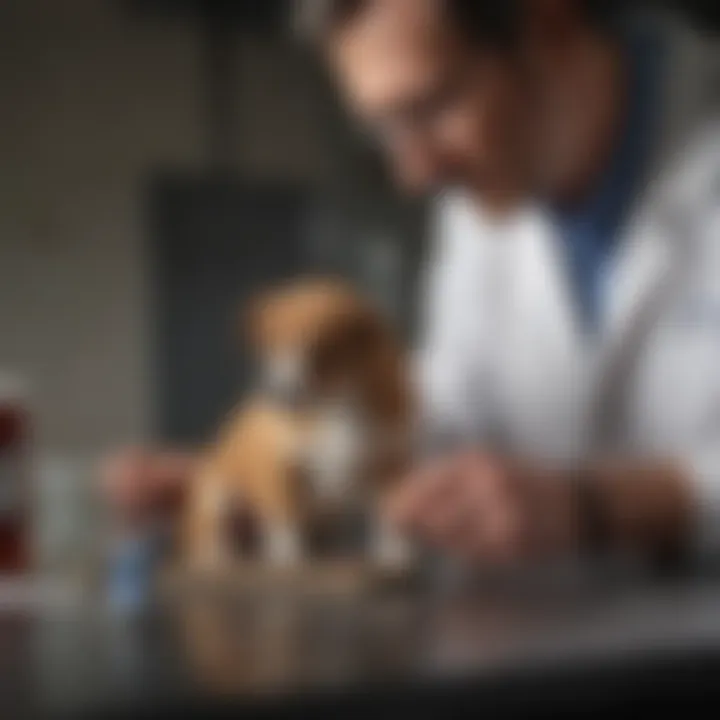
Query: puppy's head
<point>317,340</point>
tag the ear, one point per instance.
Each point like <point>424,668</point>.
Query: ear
<point>366,330</point>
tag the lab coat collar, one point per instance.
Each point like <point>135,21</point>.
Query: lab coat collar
<point>654,251</point>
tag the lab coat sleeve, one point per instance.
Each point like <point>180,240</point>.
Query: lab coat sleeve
<point>703,461</point>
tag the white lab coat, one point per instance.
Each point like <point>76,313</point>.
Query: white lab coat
<point>503,357</point>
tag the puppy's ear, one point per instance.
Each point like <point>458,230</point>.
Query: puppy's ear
<point>364,331</point>
<point>358,333</point>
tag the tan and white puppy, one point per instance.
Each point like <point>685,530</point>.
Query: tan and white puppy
<point>322,436</point>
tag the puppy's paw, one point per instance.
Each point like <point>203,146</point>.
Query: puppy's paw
<point>283,546</point>
<point>208,549</point>
<point>392,551</point>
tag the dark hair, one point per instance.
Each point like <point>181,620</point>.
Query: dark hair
<point>489,22</point>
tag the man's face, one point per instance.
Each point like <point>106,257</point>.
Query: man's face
<point>447,114</point>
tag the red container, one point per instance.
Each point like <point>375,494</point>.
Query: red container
<point>15,554</point>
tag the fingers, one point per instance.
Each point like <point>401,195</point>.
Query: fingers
<point>408,504</point>
<point>137,484</point>
<point>466,505</point>
<point>420,495</point>
<point>121,477</point>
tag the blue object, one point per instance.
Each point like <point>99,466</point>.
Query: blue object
<point>133,570</point>
<point>589,232</point>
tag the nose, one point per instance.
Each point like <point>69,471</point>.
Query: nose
<point>285,378</point>
<point>418,165</point>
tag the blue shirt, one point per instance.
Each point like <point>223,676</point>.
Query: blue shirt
<point>589,231</point>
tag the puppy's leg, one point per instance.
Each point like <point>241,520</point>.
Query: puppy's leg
<point>282,521</point>
<point>207,546</point>
<point>389,549</point>
<point>283,544</point>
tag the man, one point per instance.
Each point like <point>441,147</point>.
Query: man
<point>572,352</point>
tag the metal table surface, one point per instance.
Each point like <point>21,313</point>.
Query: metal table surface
<point>515,653</point>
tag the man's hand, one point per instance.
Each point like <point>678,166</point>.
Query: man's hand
<point>486,509</point>
<point>495,511</point>
<point>141,485</point>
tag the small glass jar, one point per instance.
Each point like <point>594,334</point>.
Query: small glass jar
<point>15,492</point>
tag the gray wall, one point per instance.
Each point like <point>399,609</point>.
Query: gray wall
<point>91,102</point>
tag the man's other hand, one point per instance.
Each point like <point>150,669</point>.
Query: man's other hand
<point>497,511</point>
<point>142,485</point>
<point>486,509</point>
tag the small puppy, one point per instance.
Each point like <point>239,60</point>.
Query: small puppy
<point>322,436</point>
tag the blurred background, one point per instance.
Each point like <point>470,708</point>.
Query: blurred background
<point>160,160</point>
